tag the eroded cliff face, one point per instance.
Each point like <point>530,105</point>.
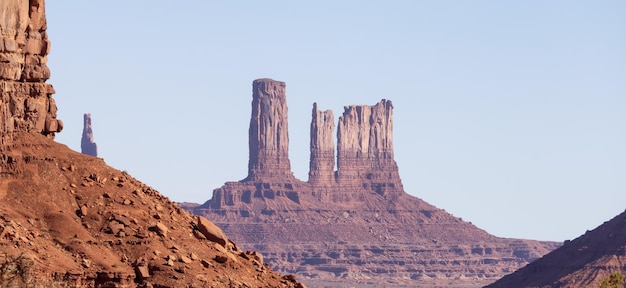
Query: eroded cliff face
<point>365,147</point>
<point>26,103</point>
<point>268,135</point>
<point>87,144</point>
<point>322,161</point>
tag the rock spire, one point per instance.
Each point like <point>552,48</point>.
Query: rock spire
<point>268,135</point>
<point>322,161</point>
<point>26,103</point>
<point>87,144</point>
<point>365,144</point>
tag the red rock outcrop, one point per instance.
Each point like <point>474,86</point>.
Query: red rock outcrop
<point>322,161</point>
<point>87,145</point>
<point>355,225</point>
<point>582,262</point>
<point>26,102</point>
<point>268,133</point>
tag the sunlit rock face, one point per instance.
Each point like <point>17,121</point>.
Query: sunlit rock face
<point>26,103</point>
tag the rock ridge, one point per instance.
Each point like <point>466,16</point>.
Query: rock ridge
<point>26,103</point>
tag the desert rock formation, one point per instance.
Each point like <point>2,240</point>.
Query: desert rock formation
<point>268,134</point>
<point>69,220</point>
<point>582,262</point>
<point>87,144</point>
<point>355,224</point>
<point>26,102</point>
<point>322,161</point>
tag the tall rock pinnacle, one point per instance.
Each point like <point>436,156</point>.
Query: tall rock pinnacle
<point>87,145</point>
<point>268,135</point>
<point>26,103</point>
<point>365,144</point>
<point>322,162</point>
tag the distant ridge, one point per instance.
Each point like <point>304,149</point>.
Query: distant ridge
<point>582,262</point>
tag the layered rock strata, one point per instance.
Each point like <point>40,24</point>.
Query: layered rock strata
<point>26,102</point>
<point>87,144</point>
<point>353,224</point>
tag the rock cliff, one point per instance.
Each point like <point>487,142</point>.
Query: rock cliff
<point>26,102</point>
<point>365,148</point>
<point>87,144</point>
<point>353,224</point>
<point>322,161</point>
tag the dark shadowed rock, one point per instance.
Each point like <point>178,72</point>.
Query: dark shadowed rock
<point>87,144</point>
<point>582,262</point>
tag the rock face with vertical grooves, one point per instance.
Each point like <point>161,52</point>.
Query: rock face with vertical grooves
<point>87,144</point>
<point>354,225</point>
<point>322,162</point>
<point>365,147</point>
<point>26,103</point>
<point>268,133</point>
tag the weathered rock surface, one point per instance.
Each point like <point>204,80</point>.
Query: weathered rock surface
<point>356,225</point>
<point>322,162</point>
<point>582,262</point>
<point>87,144</point>
<point>26,102</point>
<point>268,133</point>
<point>365,148</point>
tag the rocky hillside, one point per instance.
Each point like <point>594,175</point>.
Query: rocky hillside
<point>582,262</point>
<point>351,222</point>
<point>68,219</point>
<point>78,222</point>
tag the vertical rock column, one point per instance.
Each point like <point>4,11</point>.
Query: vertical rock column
<point>365,145</point>
<point>26,102</point>
<point>268,136</point>
<point>87,144</point>
<point>322,161</point>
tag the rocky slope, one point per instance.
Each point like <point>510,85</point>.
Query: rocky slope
<point>80,223</point>
<point>354,225</point>
<point>582,262</point>
<point>68,219</point>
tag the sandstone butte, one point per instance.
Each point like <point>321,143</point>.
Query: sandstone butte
<point>351,223</point>
<point>87,144</point>
<point>68,219</point>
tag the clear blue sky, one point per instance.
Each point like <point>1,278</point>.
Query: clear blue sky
<point>508,114</point>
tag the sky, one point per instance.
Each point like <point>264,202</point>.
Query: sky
<point>508,114</point>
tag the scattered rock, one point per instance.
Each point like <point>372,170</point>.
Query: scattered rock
<point>211,231</point>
